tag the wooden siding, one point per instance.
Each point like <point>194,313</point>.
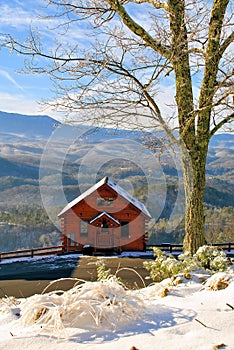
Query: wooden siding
<point>88,208</point>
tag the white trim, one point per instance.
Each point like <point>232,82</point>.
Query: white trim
<point>106,214</point>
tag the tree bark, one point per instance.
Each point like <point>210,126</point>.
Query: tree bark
<point>193,156</point>
<point>194,182</point>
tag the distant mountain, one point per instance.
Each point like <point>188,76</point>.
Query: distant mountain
<point>23,140</point>
<point>25,126</point>
<point>222,140</point>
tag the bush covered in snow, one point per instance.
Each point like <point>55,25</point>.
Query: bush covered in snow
<point>211,258</point>
<point>92,304</point>
<point>164,266</point>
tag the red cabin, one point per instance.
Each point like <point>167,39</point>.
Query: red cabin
<point>105,217</point>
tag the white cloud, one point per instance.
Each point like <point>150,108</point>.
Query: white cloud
<point>18,103</point>
<point>6,75</point>
<point>20,15</point>
<point>14,16</point>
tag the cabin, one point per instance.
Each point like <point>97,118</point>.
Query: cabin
<point>104,218</point>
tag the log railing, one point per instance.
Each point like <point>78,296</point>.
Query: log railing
<point>56,250</point>
<point>168,247</point>
<point>31,252</point>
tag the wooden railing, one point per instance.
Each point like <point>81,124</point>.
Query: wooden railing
<point>31,252</point>
<point>167,247</point>
<point>56,250</point>
<point>179,247</point>
<point>226,246</point>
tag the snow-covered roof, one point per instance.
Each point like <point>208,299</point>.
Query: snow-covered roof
<point>104,213</point>
<point>119,190</point>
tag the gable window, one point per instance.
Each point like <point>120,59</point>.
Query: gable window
<point>83,228</point>
<point>124,229</point>
<point>105,202</point>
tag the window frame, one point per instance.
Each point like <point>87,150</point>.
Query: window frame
<point>84,230</point>
<point>125,229</point>
<point>105,202</point>
<point>71,237</point>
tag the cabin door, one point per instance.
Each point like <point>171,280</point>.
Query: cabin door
<point>104,238</point>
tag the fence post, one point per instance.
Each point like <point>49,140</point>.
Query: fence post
<point>32,253</point>
<point>229,246</point>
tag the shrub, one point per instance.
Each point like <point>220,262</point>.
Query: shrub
<point>211,258</point>
<point>166,266</point>
<point>163,266</point>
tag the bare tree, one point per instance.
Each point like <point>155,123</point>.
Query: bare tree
<point>133,47</point>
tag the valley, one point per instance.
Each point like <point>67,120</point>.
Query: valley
<point>44,165</point>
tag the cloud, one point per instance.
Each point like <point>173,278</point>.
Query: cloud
<point>14,16</point>
<point>19,103</point>
<point>6,75</point>
<point>19,16</point>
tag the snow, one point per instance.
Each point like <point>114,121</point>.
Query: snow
<point>133,254</point>
<point>104,213</point>
<point>119,190</point>
<point>105,316</point>
<point>42,257</point>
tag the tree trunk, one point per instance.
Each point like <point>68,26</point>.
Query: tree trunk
<point>194,181</point>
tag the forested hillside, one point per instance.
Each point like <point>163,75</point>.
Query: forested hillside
<point>24,227</point>
<point>219,228</point>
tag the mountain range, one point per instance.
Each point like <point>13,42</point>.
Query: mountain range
<point>38,154</point>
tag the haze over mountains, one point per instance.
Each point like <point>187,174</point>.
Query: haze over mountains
<point>17,126</point>
<point>23,141</point>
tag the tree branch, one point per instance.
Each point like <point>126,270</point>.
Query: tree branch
<point>226,43</point>
<point>212,60</point>
<point>204,109</point>
<point>222,123</point>
<point>155,3</point>
<point>139,30</point>
<point>213,54</point>
<point>197,50</point>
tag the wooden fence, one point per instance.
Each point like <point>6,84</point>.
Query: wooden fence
<point>167,247</point>
<point>56,250</point>
<point>31,252</point>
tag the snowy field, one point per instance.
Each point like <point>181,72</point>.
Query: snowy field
<point>183,314</point>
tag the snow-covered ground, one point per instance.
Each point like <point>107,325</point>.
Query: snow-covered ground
<point>182,315</point>
<point>132,254</point>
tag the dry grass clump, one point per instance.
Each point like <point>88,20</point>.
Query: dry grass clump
<point>219,281</point>
<point>92,304</point>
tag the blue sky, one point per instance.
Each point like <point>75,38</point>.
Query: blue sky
<point>20,92</point>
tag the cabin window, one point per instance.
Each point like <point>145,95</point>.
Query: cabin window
<point>105,202</point>
<point>124,229</point>
<point>83,228</point>
<point>71,237</point>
